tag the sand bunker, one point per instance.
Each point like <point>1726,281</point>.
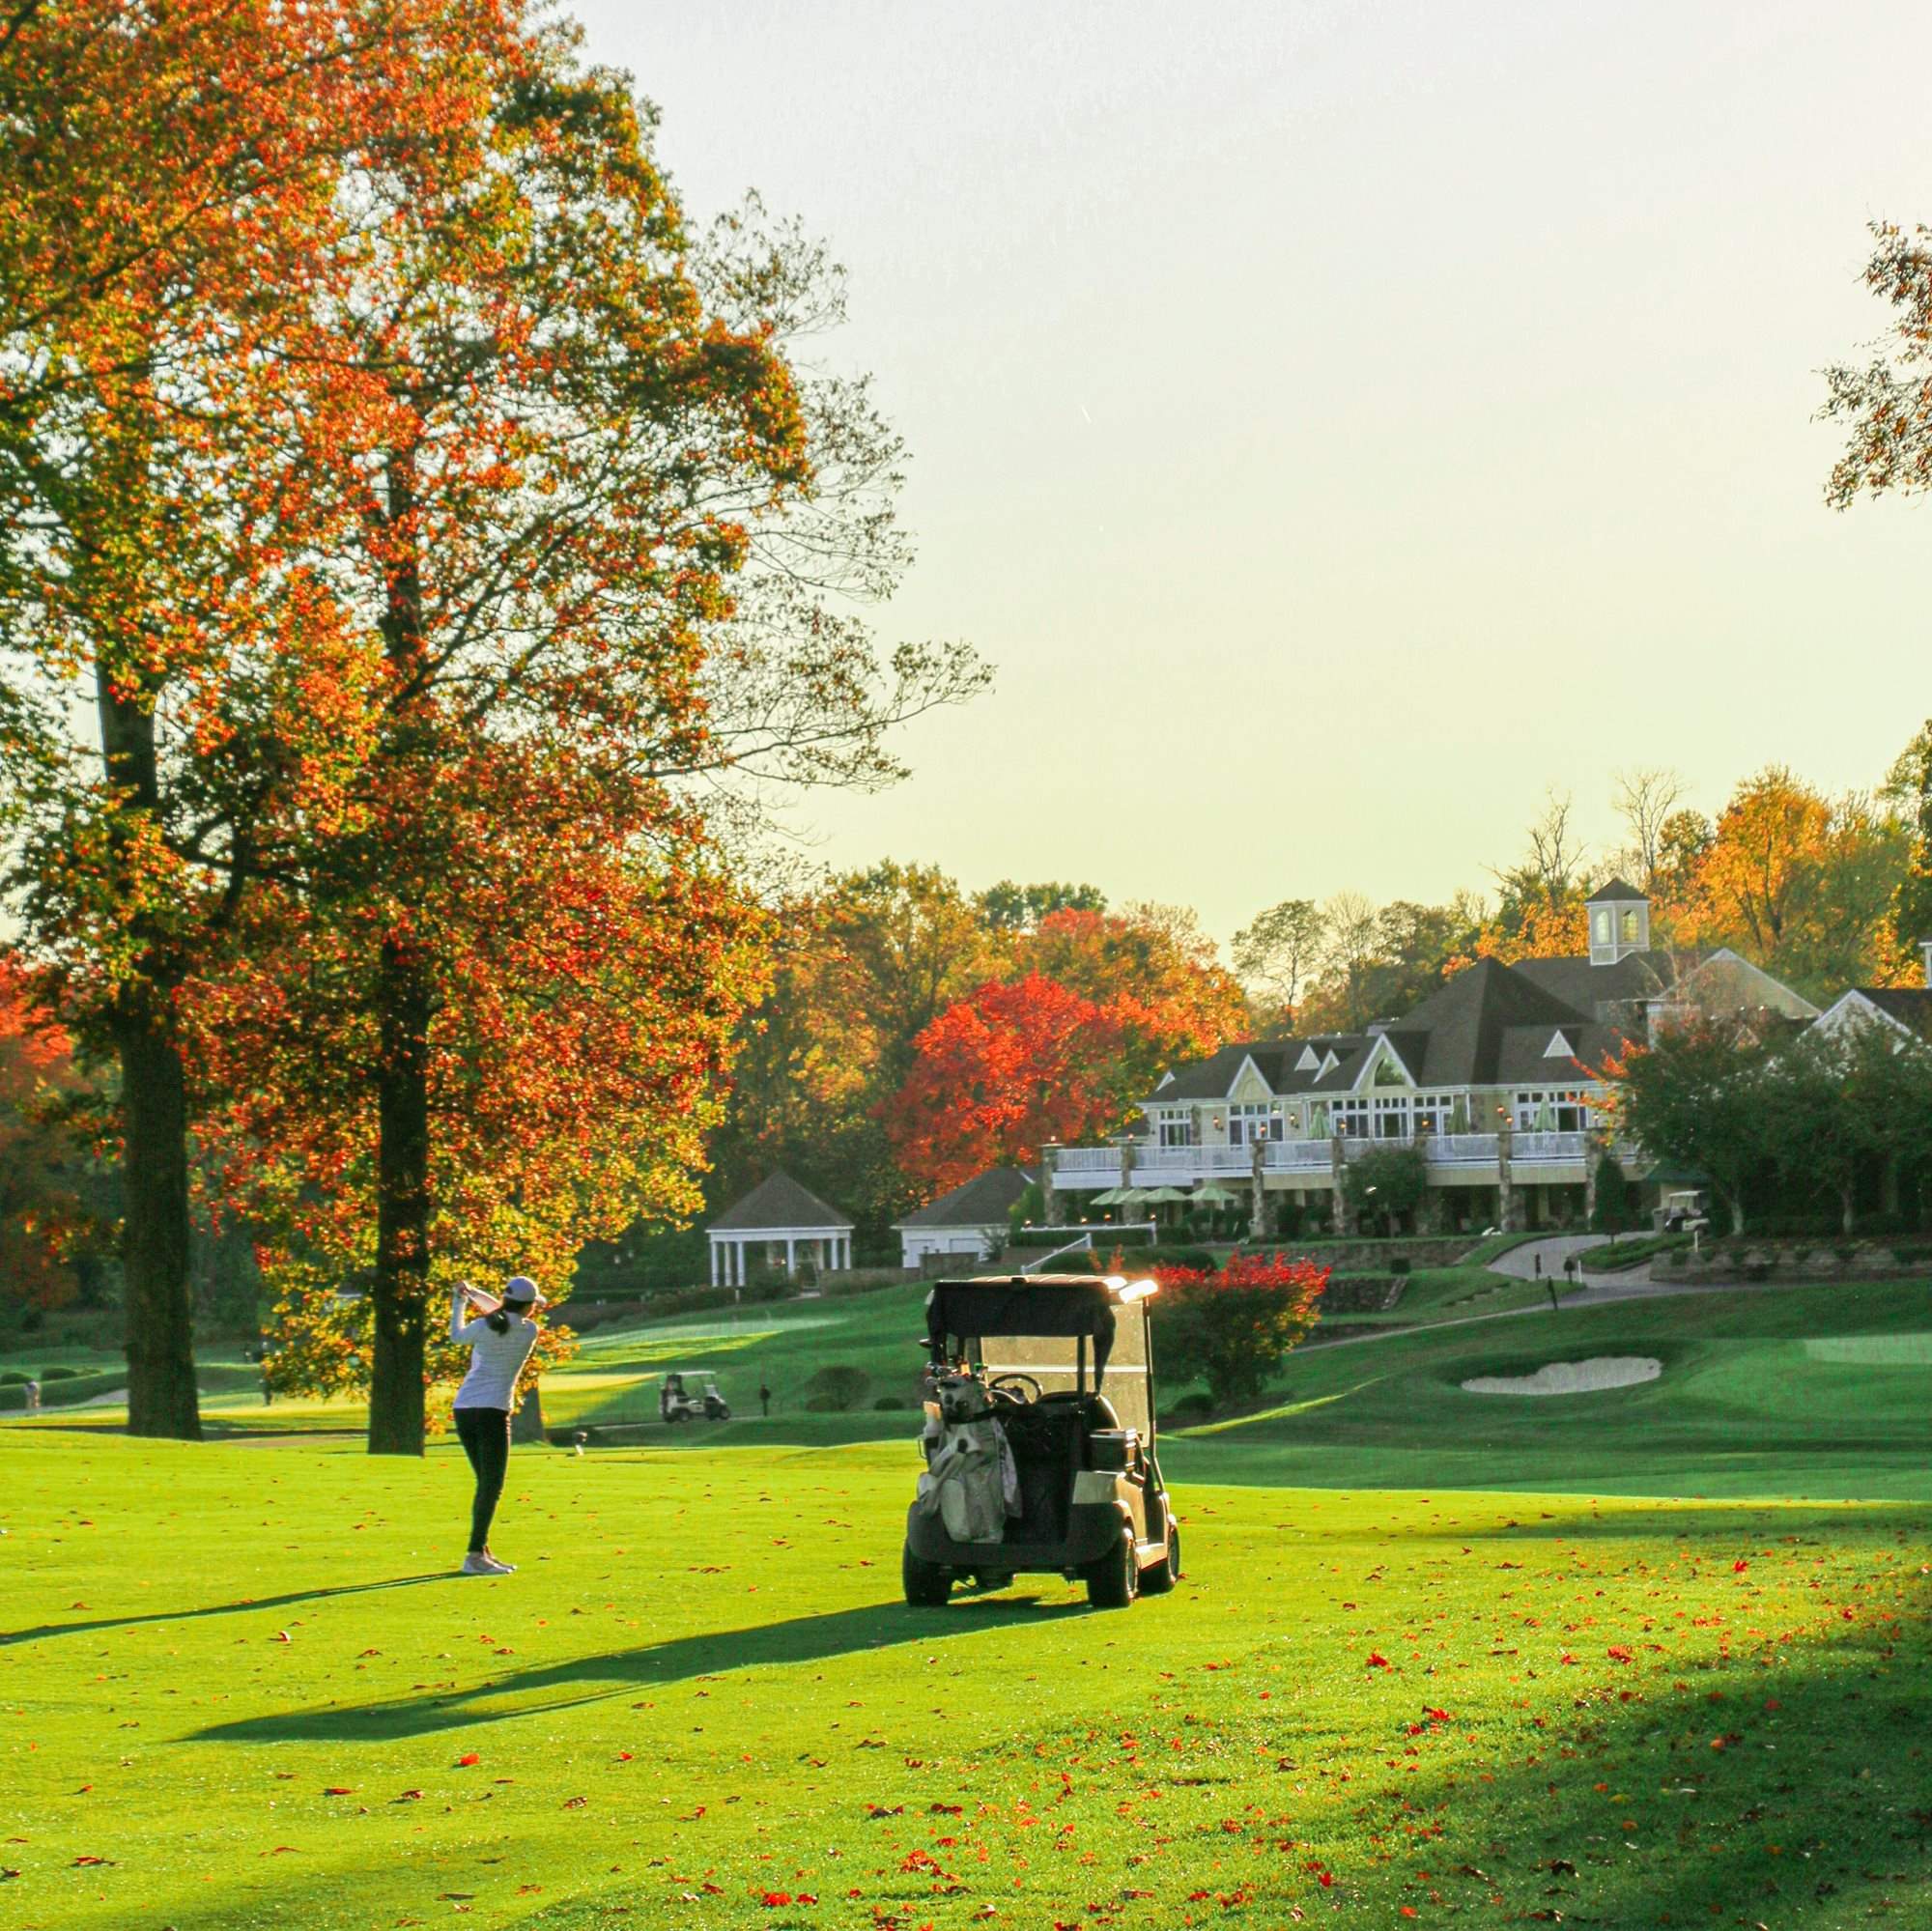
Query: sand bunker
<point>1572,1378</point>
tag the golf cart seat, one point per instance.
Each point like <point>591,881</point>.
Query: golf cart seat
<point>1095,1410</point>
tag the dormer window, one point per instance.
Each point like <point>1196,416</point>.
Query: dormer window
<point>1558,1048</point>
<point>1308,1061</point>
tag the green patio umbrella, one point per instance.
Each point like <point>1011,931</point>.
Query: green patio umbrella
<point>1214,1196</point>
<point>1163,1196</point>
<point>1544,1120</point>
<point>1112,1197</point>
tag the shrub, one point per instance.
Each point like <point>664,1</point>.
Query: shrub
<point>1233,1327</point>
<point>889,1402</point>
<point>1385,1184</point>
<point>58,1374</point>
<point>835,1388</point>
<point>13,1378</point>
<point>1615,1209</point>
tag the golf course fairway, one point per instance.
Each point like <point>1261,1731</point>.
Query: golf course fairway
<point>240,1688</point>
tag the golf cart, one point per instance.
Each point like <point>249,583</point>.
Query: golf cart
<point>1039,1441</point>
<point>692,1395</point>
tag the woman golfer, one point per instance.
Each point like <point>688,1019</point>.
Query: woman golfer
<point>499,1337</point>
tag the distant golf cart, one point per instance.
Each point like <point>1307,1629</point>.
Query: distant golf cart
<point>692,1395</point>
<point>1039,1442</point>
<point>1685,1212</point>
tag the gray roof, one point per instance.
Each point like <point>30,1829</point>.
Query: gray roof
<point>1275,1060</point>
<point>1618,892</point>
<point>980,1202</point>
<point>1480,1029</point>
<point>1909,1004</point>
<point>1490,1024</point>
<point>778,1200</point>
<point>1595,990</point>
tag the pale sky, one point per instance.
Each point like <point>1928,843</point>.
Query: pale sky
<point>1340,422</point>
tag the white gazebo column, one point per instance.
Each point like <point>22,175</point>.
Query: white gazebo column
<point>791,1254</point>
<point>714,1262</point>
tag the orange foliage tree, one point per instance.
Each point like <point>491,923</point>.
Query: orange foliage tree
<point>1154,971</point>
<point>1098,1004</point>
<point>1001,1073</point>
<point>170,207</point>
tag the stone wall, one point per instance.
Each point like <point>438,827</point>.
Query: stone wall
<point>1727,1263</point>
<point>1362,1256</point>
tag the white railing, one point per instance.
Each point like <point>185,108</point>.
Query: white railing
<point>1463,1150</point>
<point>1166,1162</point>
<point>1296,1156</point>
<point>1543,1148</point>
<point>1087,1160</point>
<point>1082,1167</point>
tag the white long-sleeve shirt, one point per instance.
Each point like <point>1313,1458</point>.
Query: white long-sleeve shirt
<point>496,1360</point>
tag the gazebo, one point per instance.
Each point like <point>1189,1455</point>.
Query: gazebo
<point>777,1213</point>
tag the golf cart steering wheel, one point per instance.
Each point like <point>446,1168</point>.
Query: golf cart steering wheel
<point>999,1385</point>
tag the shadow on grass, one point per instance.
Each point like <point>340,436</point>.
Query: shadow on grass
<point>1793,1791</point>
<point>566,1684</point>
<point>42,1632</point>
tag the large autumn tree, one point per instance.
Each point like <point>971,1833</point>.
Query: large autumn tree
<point>599,543</point>
<point>170,210</point>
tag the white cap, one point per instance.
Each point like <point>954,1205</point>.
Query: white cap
<point>520,1291</point>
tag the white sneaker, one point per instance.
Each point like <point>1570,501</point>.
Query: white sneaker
<point>497,1567</point>
<point>477,1564</point>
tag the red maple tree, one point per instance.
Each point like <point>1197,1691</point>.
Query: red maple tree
<point>1002,1071</point>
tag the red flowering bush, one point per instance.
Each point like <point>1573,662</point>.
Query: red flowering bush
<point>1232,1328</point>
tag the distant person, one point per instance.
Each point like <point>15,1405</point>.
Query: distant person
<point>33,1398</point>
<point>764,1399</point>
<point>499,1338</point>
<point>1538,1259</point>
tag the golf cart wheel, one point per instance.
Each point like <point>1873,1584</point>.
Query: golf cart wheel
<point>1158,1578</point>
<point>926,1585</point>
<point>1112,1580</point>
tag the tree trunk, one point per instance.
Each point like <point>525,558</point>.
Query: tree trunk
<point>162,1395</point>
<point>403,1004</point>
<point>1735,1204</point>
<point>401,1290</point>
<point>1847,1207</point>
<point>527,1423</point>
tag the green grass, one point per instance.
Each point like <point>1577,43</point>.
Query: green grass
<point>237,1677</point>
<point>1818,1391</point>
<point>1452,1294</point>
<point>1633,1250</point>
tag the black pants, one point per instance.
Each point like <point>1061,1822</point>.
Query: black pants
<point>485,1435</point>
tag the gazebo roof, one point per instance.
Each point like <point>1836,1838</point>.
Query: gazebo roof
<point>778,1204</point>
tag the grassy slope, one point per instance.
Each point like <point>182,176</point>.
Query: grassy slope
<point>236,1677</point>
<point>1452,1294</point>
<point>1751,1402</point>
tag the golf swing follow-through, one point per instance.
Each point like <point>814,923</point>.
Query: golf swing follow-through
<point>500,1335</point>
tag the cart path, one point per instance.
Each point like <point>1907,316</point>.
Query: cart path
<point>1633,1283</point>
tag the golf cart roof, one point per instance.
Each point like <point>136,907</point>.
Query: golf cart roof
<point>1031,1304</point>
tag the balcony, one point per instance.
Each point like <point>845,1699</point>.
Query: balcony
<point>1081,1168</point>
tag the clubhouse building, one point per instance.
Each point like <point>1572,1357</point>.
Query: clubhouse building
<point>1497,1080</point>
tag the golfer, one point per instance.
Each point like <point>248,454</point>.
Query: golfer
<point>500,1336</point>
